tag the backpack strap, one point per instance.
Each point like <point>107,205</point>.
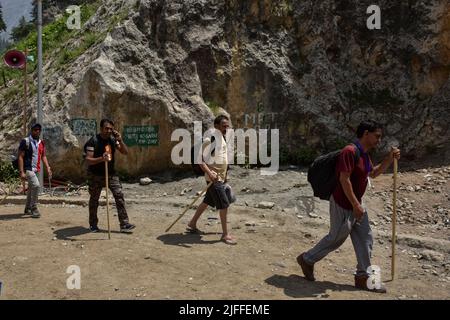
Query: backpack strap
<point>357,154</point>
<point>112,140</point>
<point>27,142</point>
<point>94,140</point>
<point>212,150</point>
<point>213,139</point>
<point>27,145</point>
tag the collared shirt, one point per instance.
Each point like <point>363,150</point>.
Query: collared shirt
<point>35,163</point>
<point>365,156</point>
<point>359,173</point>
<point>33,154</point>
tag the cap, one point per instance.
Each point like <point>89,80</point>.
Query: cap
<point>36,125</point>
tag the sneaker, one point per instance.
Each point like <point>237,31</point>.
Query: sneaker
<point>308,269</point>
<point>361,283</point>
<point>94,229</point>
<point>35,213</point>
<point>126,228</point>
<point>27,211</point>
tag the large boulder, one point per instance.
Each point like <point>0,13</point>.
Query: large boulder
<point>310,69</point>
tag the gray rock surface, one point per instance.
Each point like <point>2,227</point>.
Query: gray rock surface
<point>311,69</point>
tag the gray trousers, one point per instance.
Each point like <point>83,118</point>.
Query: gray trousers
<point>33,190</point>
<point>342,224</point>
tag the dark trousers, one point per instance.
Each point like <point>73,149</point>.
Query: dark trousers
<point>96,184</point>
<point>216,196</point>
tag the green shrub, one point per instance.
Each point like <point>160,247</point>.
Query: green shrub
<point>339,144</point>
<point>67,55</point>
<point>300,156</point>
<point>11,92</point>
<point>214,107</point>
<point>55,35</point>
<point>8,174</point>
<point>117,18</point>
<point>304,155</point>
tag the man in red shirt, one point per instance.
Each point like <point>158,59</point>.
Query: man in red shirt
<point>347,214</point>
<point>31,151</point>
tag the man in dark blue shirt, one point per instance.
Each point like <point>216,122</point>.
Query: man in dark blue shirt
<point>31,151</point>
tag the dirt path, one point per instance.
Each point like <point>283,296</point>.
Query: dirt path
<point>150,264</point>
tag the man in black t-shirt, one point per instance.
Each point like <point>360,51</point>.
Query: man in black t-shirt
<point>99,149</point>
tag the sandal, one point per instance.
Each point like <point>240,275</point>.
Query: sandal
<point>228,241</point>
<point>193,230</point>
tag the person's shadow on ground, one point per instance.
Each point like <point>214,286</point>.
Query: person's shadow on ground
<point>298,287</point>
<point>186,239</point>
<point>14,216</point>
<point>72,232</point>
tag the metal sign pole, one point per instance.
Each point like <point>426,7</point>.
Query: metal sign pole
<point>39,110</point>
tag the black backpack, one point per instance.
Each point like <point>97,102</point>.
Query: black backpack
<point>195,166</point>
<point>322,174</point>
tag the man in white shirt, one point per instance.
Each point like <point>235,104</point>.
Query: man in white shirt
<point>216,171</point>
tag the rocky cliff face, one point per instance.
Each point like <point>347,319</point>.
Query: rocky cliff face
<point>309,68</point>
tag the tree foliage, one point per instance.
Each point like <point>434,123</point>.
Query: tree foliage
<point>2,22</point>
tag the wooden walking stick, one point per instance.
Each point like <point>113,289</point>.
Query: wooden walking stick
<point>394,219</point>
<point>108,150</point>
<point>189,206</point>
